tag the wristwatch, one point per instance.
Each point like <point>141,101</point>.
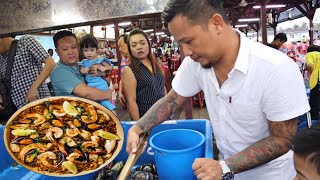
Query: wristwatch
<point>227,174</point>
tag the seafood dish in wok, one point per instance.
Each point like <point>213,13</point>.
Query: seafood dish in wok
<point>63,136</point>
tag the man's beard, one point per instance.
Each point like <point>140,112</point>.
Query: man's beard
<point>208,66</point>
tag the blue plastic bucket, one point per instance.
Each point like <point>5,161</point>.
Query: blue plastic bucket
<point>175,151</point>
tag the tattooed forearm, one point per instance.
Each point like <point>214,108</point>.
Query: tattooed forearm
<point>265,150</point>
<point>160,111</point>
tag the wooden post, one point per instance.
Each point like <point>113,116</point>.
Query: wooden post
<point>91,30</point>
<point>154,26</point>
<point>311,31</point>
<point>116,34</point>
<point>263,21</point>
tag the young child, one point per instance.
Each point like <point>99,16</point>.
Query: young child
<point>306,148</point>
<point>89,47</point>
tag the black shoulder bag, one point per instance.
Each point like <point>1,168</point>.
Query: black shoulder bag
<point>5,86</point>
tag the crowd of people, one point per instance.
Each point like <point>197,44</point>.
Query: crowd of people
<point>254,93</point>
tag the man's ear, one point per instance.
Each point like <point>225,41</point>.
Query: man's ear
<point>216,23</point>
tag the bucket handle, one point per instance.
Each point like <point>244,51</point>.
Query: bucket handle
<point>150,152</point>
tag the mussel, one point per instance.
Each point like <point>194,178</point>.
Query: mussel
<point>42,139</point>
<point>84,156</point>
<point>144,172</point>
<point>147,167</point>
<point>31,156</point>
<point>110,174</point>
<point>22,141</point>
<point>15,122</point>
<point>71,149</point>
<point>48,104</point>
<point>102,175</point>
<point>77,123</point>
<point>143,175</point>
<point>94,126</point>
<point>57,123</point>
<point>79,119</point>
<point>61,158</point>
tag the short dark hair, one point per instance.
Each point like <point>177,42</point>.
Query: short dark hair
<point>125,38</point>
<point>60,35</point>
<point>89,41</point>
<point>194,9</point>
<point>307,144</point>
<point>50,49</point>
<point>281,36</point>
<point>312,48</point>
<point>273,46</point>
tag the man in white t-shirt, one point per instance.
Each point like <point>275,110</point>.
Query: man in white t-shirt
<point>254,95</point>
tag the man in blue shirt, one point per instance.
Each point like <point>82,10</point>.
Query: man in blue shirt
<point>66,78</point>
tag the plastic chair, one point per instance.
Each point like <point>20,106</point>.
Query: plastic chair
<point>304,125</point>
<point>306,122</point>
<point>115,78</point>
<point>200,100</point>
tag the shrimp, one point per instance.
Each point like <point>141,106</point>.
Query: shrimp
<point>62,148</point>
<point>74,131</point>
<point>110,145</point>
<point>95,139</point>
<point>39,119</point>
<point>44,159</point>
<point>93,115</point>
<point>105,117</point>
<point>84,146</point>
<point>57,133</point>
<point>44,127</point>
<point>28,148</point>
<point>85,134</point>
<point>70,142</point>
<point>74,103</point>
<point>14,147</point>
<point>57,110</point>
<point>73,156</point>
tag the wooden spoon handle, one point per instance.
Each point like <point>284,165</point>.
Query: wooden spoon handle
<point>132,158</point>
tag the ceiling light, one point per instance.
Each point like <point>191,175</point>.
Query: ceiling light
<point>241,25</point>
<point>271,6</point>
<point>249,19</point>
<point>125,23</point>
<point>159,33</point>
<point>148,30</point>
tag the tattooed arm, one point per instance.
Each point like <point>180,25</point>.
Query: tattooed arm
<point>265,150</point>
<point>161,111</point>
<point>158,113</point>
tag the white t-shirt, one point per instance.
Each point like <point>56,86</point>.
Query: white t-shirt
<point>264,85</point>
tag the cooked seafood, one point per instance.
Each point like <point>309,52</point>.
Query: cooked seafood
<point>63,137</point>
